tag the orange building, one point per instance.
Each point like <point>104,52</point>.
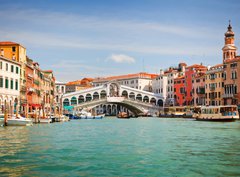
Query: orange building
<point>79,85</point>
<point>190,71</point>
<point>179,90</point>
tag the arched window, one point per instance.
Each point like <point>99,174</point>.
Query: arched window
<point>103,94</point>
<point>146,99</point>
<point>125,94</point>
<point>74,101</point>
<point>132,96</point>
<point>80,99</point>
<point>66,102</point>
<point>153,101</point>
<point>95,96</point>
<point>139,97</point>
<point>88,97</point>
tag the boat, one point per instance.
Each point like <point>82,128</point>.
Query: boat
<point>19,121</point>
<point>123,115</point>
<point>88,115</point>
<point>45,120</point>
<point>217,113</point>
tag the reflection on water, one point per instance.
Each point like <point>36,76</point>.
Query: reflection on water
<point>115,147</point>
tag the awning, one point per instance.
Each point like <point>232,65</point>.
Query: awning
<point>69,108</point>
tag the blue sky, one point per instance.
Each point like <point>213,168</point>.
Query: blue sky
<point>100,38</point>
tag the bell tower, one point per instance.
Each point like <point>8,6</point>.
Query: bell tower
<point>229,49</point>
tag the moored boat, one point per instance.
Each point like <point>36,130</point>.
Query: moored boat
<point>88,115</point>
<point>123,115</point>
<point>217,113</point>
<point>19,121</point>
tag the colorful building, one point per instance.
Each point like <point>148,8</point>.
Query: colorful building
<point>214,85</point>
<point>16,52</point>
<point>179,91</point>
<point>198,89</point>
<point>231,70</point>
<point>189,73</point>
<point>9,84</point>
<point>79,85</point>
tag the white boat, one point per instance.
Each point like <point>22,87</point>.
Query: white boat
<point>88,115</point>
<point>45,120</point>
<point>19,121</point>
<point>217,113</point>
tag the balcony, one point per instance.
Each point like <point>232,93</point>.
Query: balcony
<point>212,97</point>
<point>229,95</point>
<point>212,88</point>
<point>201,91</point>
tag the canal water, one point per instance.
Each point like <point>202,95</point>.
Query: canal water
<point>117,147</point>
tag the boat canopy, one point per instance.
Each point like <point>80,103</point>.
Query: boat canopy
<point>69,108</point>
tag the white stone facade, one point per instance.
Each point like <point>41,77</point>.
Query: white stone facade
<point>60,89</point>
<point>9,82</point>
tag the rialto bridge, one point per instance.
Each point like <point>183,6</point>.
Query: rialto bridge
<point>111,98</point>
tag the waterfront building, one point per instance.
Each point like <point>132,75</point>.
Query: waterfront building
<point>9,83</point>
<point>198,89</point>
<point>16,52</point>
<point>189,73</point>
<point>159,84</point>
<point>231,70</point>
<point>179,90</point>
<point>214,85</point>
<point>82,84</point>
<point>48,90</point>
<point>231,94</point>
<point>60,90</point>
<point>39,87</point>
<point>141,81</point>
<point>164,83</point>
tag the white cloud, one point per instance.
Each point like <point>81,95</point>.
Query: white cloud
<point>120,58</point>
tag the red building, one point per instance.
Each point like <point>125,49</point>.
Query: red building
<point>189,73</point>
<point>179,90</point>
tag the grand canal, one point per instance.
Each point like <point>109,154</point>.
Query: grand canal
<point>116,147</point>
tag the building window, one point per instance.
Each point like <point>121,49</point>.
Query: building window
<point>12,68</point>
<point>16,85</point>
<point>6,82</point>
<point>1,81</point>
<point>6,67</point>
<point>11,84</point>
<point>0,64</point>
<point>14,49</point>
<point>17,70</point>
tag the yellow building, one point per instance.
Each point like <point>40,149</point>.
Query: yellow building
<point>214,85</point>
<point>16,52</point>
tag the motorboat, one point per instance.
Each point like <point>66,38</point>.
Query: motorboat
<point>123,115</point>
<point>88,115</point>
<point>19,121</point>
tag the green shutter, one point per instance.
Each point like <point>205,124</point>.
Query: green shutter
<point>6,83</point>
<point>16,70</point>
<point>11,84</point>
<point>16,85</point>
<point>1,82</point>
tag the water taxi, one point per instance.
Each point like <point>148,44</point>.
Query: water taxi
<point>217,113</point>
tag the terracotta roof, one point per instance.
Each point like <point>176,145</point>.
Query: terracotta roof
<point>85,82</point>
<point>197,66</point>
<point>216,66</point>
<point>127,76</point>
<point>8,43</point>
